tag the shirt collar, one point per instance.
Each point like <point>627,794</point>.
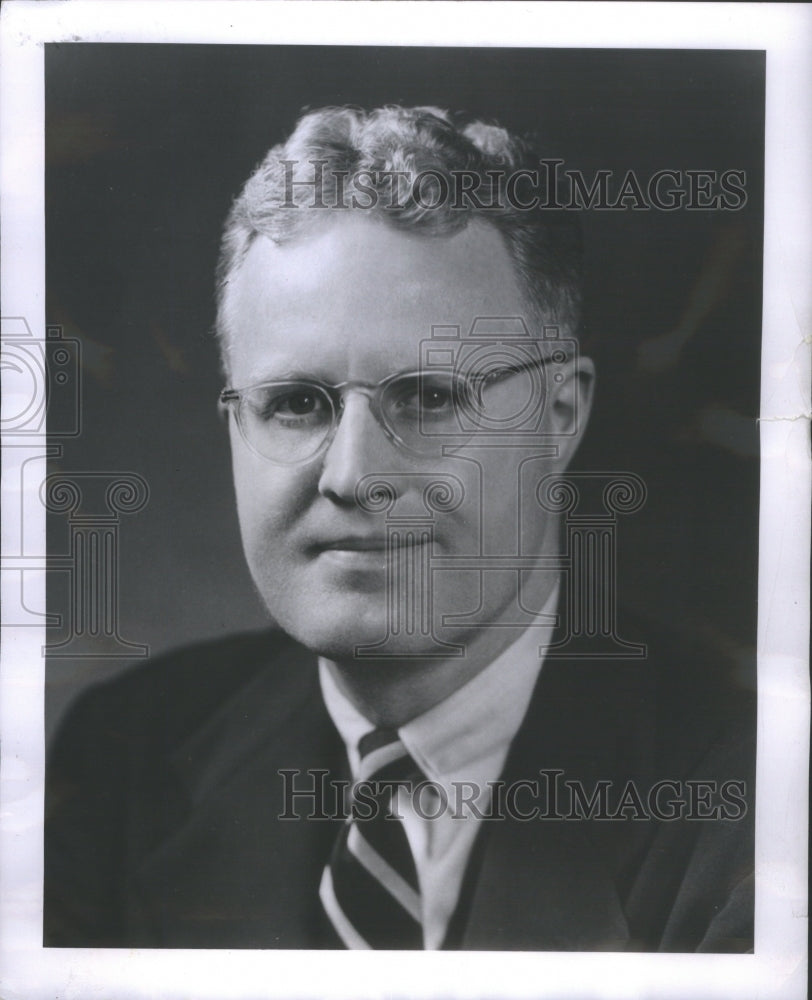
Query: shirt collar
<point>474,724</point>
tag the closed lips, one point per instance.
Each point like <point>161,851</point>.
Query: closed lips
<point>372,544</point>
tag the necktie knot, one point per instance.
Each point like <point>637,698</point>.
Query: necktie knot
<point>383,757</point>
<point>375,739</point>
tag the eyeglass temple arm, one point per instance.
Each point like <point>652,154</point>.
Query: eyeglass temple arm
<point>501,373</point>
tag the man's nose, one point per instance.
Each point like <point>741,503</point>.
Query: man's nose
<point>359,447</point>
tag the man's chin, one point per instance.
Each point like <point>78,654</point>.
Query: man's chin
<point>359,638</point>
<point>347,642</point>
<point>328,624</point>
<point>346,622</point>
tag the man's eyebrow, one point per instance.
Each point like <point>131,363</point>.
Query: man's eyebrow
<point>258,376</point>
<point>281,373</point>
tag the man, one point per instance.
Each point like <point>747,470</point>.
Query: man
<point>417,756</point>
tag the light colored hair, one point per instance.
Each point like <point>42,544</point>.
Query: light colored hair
<point>348,143</point>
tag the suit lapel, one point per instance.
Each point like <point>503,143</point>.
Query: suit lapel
<point>543,889</point>
<point>233,873</point>
<point>553,883</point>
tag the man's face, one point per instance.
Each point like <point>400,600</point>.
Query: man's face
<point>352,302</point>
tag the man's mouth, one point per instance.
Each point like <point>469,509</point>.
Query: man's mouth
<point>365,549</point>
<point>354,543</point>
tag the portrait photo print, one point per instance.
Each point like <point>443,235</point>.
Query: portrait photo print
<point>402,496</point>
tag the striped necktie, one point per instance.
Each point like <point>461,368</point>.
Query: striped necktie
<point>369,888</point>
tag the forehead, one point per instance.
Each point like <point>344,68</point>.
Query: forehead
<point>356,297</point>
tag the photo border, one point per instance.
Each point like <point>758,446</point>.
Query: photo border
<point>777,969</point>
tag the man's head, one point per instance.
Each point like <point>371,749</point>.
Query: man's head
<point>314,296</point>
<point>420,173</point>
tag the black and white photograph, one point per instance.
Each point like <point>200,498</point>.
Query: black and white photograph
<point>408,460</point>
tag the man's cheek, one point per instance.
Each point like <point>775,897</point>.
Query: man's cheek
<point>455,592</point>
<point>268,548</point>
<point>267,542</point>
<point>279,579</point>
<point>269,499</point>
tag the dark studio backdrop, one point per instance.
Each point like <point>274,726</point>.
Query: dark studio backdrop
<point>146,145</point>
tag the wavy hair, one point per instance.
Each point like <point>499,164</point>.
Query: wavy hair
<point>371,159</point>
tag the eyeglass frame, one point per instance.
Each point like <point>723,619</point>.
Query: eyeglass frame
<point>335,393</point>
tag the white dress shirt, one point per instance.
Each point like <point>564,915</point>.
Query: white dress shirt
<point>464,738</point>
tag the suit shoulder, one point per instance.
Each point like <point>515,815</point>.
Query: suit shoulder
<point>680,701</point>
<point>177,691</point>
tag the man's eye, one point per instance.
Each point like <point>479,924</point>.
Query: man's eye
<point>433,398</point>
<point>421,395</point>
<point>290,405</point>
<point>299,404</point>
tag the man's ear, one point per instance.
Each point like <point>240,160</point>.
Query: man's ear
<point>569,404</point>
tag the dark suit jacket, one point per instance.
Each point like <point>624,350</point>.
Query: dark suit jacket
<point>164,796</point>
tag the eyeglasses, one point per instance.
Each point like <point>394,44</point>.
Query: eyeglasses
<point>293,420</point>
